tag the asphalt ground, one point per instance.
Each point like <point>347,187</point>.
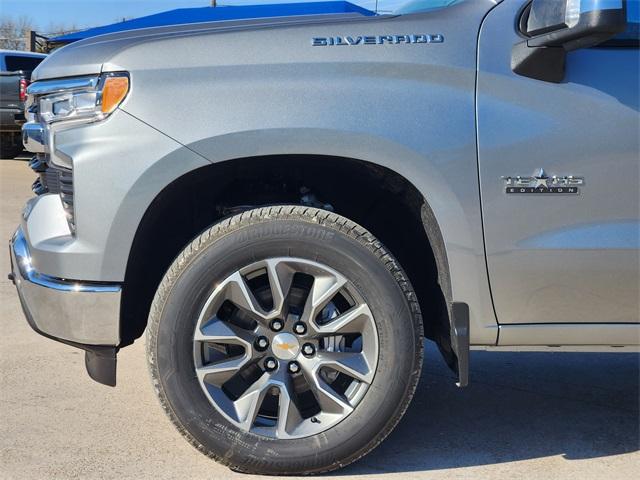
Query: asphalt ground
<point>525,415</point>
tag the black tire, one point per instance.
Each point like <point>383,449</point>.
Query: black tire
<point>311,234</point>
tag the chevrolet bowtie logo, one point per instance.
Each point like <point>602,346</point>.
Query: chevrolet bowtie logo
<point>286,346</point>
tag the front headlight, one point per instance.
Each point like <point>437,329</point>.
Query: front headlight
<point>61,104</point>
<point>84,99</point>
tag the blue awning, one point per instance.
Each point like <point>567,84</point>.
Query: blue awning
<point>210,14</point>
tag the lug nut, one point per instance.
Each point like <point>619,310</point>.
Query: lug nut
<point>300,328</point>
<point>270,364</point>
<point>276,325</point>
<point>262,343</point>
<point>308,350</point>
<point>294,367</point>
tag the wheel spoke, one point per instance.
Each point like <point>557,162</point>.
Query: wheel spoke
<point>353,320</point>
<point>248,405</point>
<point>218,331</point>
<point>217,373</point>
<point>324,288</point>
<point>288,414</point>
<point>280,279</point>
<point>238,292</point>
<point>328,399</point>
<point>353,364</point>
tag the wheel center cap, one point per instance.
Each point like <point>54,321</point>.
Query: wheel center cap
<point>285,346</point>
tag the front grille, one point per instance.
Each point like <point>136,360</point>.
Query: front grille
<point>56,180</point>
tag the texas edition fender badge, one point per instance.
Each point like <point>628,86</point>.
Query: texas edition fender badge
<point>542,184</point>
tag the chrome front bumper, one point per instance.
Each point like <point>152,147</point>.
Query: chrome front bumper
<point>83,313</point>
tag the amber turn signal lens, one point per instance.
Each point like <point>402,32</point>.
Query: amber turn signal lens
<point>113,92</point>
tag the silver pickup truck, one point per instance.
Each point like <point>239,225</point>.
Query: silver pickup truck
<point>288,206</point>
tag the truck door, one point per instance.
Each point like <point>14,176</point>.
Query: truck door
<point>563,250</point>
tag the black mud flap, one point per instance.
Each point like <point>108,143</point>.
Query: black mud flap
<point>452,338</point>
<point>101,364</point>
<point>460,341</point>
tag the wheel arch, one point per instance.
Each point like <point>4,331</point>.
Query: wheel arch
<point>378,195</point>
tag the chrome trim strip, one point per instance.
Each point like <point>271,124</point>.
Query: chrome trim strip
<point>45,87</point>
<point>33,138</point>
<point>23,260</point>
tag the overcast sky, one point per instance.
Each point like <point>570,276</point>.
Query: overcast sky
<point>92,13</point>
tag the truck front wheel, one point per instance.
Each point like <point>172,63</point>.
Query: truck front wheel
<point>285,340</point>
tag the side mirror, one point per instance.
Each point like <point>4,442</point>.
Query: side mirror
<point>555,27</point>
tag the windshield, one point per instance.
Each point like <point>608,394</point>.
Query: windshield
<point>412,6</point>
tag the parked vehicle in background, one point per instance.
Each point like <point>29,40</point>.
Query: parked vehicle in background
<point>289,205</point>
<point>15,75</point>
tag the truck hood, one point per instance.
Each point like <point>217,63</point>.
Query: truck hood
<point>93,55</point>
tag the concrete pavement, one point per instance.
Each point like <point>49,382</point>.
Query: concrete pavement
<point>525,415</point>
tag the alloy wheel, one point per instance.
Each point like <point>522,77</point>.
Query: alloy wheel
<point>285,348</point>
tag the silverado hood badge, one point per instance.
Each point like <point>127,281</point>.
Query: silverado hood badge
<point>376,40</point>
<point>541,183</point>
